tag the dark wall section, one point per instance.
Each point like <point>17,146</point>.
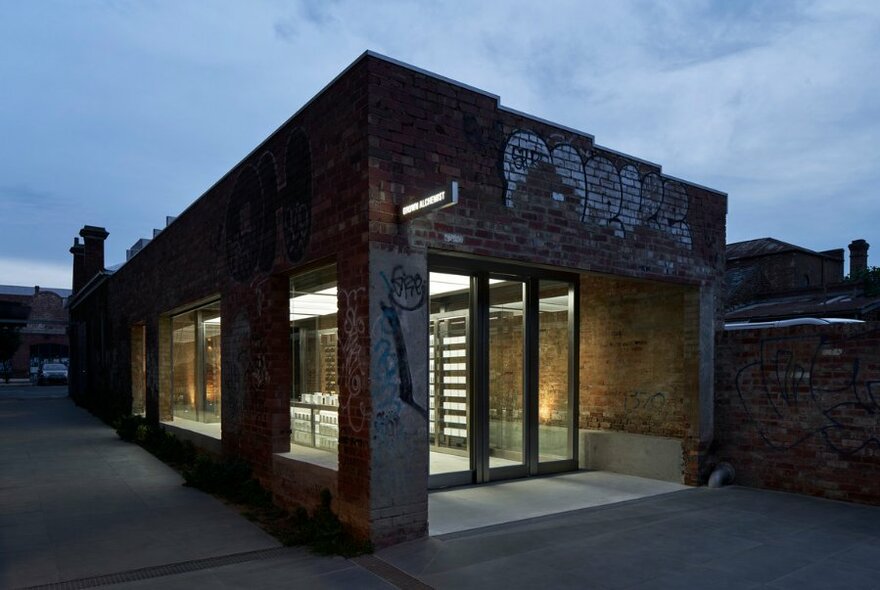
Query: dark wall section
<point>797,409</point>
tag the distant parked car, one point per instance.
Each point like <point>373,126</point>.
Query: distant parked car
<point>52,373</point>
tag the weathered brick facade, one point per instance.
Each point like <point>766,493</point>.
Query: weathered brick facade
<point>796,409</point>
<point>326,188</point>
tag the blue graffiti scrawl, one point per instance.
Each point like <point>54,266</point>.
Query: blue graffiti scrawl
<point>814,386</point>
<point>406,292</point>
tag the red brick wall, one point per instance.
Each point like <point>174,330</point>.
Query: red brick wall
<point>637,356</point>
<point>297,200</point>
<point>797,409</point>
<point>616,213</point>
<point>536,193</point>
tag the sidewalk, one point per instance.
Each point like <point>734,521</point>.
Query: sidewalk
<point>77,504</point>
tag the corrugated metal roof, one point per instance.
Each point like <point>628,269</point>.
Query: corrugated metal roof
<point>841,302</point>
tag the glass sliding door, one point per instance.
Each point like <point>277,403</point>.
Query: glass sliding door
<point>506,383</point>
<point>449,375</point>
<point>502,372</point>
<point>555,425</point>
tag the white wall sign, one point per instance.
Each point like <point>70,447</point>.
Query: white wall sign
<point>445,198</point>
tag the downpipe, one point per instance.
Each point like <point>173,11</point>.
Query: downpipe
<point>722,475</point>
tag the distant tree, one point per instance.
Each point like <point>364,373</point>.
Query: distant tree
<point>10,340</point>
<point>870,277</point>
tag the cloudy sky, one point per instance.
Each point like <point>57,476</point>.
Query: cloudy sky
<point>117,113</point>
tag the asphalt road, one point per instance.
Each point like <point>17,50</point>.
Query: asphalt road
<point>27,391</point>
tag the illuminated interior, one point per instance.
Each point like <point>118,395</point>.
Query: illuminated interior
<point>502,435</point>
<point>196,366</point>
<point>314,399</point>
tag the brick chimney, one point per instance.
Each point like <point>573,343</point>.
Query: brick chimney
<point>858,257</point>
<point>93,246</point>
<point>78,252</point>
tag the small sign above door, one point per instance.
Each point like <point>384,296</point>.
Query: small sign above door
<point>420,206</point>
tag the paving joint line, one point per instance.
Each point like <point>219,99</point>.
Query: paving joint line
<point>158,571</point>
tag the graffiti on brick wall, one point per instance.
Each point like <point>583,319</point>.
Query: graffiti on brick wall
<point>405,293</point>
<point>647,408</point>
<point>353,330</point>
<point>644,401</point>
<point>398,383</point>
<point>239,350</point>
<point>605,194</point>
<point>814,387</point>
<point>256,198</point>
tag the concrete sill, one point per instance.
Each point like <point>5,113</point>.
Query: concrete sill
<point>310,456</point>
<point>203,438</point>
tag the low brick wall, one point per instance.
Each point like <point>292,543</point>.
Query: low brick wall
<point>798,409</point>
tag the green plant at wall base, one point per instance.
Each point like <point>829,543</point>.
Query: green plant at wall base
<point>229,479</point>
<point>322,531</point>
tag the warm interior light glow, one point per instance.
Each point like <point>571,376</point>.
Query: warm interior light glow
<point>545,411</point>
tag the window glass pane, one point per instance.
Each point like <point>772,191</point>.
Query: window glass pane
<point>506,388</point>
<point>448,387</point>
<point>183,366</point>
<point>315,392</point>
<point>195,365</point>
<point>554,434</point>
<point>210,329</point>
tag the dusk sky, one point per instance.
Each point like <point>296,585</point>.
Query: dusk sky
<point>117,113</point>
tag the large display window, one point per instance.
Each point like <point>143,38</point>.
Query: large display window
<point>314,400</point>
<point>195,364</point>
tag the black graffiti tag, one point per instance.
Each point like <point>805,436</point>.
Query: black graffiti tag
<point>406,291</point>
<point>255,198</point>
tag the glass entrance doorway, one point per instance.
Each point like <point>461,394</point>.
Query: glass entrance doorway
<point>502,375</point>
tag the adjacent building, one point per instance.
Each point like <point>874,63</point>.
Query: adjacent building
<point>409,285</point>
<point>767,279</point>
<point>39,317</point>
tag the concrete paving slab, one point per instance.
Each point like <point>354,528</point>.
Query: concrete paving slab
<point>473,507</point>
<point>680,540</point>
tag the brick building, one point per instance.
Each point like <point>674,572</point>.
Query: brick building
<point>413,286</point>
<point>767,279</point>
<point>40,317</point>
<point>795,407</point>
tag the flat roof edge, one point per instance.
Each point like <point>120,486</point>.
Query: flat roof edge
<point>631,157</point>
<point>428,73</point>
<point>546,122</point>
<point>696,185</point>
